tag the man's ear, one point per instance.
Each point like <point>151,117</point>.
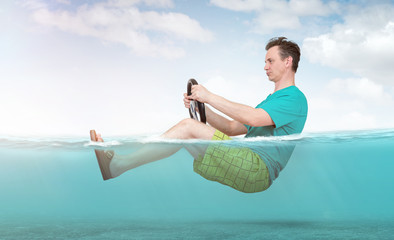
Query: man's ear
<point>289,61</point>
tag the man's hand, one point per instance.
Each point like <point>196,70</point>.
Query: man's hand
<point>186,100</point>
<point>200,93</point>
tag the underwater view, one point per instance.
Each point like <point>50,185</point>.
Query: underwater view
<point>336,185</point>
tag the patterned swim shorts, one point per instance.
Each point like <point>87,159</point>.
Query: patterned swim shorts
<point>237,167</point>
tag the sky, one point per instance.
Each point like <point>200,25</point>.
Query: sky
<point>121,66</point>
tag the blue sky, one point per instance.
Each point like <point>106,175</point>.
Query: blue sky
<point>121,67</point>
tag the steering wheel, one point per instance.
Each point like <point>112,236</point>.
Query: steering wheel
<point>197,109</point>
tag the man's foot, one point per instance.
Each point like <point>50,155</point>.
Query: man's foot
<point>103,157</point>
<point>95,137</point>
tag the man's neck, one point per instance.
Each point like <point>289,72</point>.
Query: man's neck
<point>285,82</point>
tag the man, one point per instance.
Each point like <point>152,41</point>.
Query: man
<point>283,112</point>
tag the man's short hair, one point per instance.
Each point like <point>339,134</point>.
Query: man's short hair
<point>286,48</point>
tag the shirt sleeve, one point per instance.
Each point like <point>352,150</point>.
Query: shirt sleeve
<point>284,109</point>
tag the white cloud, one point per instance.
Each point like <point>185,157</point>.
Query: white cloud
<point>268,21</point>
<point>362,88</point>
<point>239,89</point>
<point>350,104</point>
<point>67,2</point>
<point>239,5</point>
<point>327,113</point>
<point>151,3</point>
<point>122,22</point>
<point>344,121</point>
<point>313,7</point>
<point>363,44</point>
<point>356,120</point>
<point>34,4</point>
<point>279,14</point>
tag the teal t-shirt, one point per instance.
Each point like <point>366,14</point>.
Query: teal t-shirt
<point>288,109</point>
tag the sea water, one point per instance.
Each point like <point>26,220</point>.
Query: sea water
<point>336,185</point>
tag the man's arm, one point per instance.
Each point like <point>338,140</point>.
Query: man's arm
<point>255,117</point>
<point>229,127</point>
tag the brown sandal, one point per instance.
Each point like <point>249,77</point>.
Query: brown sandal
<point>103,158</point>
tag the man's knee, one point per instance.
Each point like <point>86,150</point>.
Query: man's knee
<point>187,123</point>
<point>191,128</point>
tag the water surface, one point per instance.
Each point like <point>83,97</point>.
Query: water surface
<point>336,185</point>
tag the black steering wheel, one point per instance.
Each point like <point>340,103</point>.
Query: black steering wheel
<point>197,109</point>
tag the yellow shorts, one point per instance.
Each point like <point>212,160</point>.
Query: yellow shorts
<point>237,167</point>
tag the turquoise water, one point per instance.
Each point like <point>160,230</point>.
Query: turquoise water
<point>335,186</point>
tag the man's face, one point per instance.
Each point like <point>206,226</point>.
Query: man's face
<point>274,65</point>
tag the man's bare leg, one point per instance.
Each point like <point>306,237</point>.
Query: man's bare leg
<point>186,129</point>
<point>190,129</point>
